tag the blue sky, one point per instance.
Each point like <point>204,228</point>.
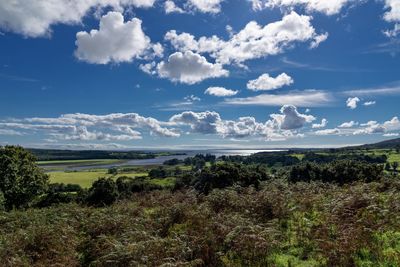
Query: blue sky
<point>125,74</point>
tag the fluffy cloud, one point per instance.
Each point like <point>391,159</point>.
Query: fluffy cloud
<point>170,7</point>
<point>78,126</point>
<point>252,42</point>
<point>349,124</point>
<point>35,18</point>
<point>115,41</point>
<point>206,6</point>
<point>266,82</point>
<point>189,68</point>
<point>373,127</point>
<point>291,119</point>
<point>323,124</point>
<point>352,102</point>
<point>334,131</point>
<point>369,103</point>
<point>308,98</point>
<point>279,127</point>
<point>394,10</point>
<point>328,7</point>
<point>220,91</point>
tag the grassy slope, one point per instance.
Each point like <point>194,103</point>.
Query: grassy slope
<point>280,225</point>
<point>86,178</point>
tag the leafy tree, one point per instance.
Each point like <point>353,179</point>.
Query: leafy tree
<point>103,192</point>
<point>388,167</point>
<point>395,165</point>
<point>21,180</point>
<point>113,171</point>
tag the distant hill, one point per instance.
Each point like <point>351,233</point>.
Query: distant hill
<point>393,143</point>
<point>56,154</point>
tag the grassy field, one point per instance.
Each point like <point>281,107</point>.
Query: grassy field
<point>79,162</point>
<point>86,178</point>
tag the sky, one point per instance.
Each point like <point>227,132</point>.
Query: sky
<point>199,74</point>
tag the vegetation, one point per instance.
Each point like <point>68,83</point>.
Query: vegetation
<point>20,179</point>
<point>325,208</point>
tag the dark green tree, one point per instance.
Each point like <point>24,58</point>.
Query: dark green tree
<point>395,165</point>
<point>21,180</point>
<point>388,167</point>
<point>103,192</point>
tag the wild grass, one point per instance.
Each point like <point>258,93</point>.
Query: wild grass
<point>282,224</point>
<point>86,178</point>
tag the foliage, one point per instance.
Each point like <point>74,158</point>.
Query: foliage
<point>281,224</point>
<point>340,171</point>
<point>20,179</point>
<point>103,192</point>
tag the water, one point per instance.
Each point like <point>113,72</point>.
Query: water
<point>160,160</point>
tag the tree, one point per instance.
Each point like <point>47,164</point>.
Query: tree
<point>388,167</point>
<point>395,165</point>
<point>21,180</point>
<point>113,171</point>
<point>103,192</point>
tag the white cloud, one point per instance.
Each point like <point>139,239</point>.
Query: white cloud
<point>291,119</point>
<point>334,131</point>
<point>373,127</point>
<point>220,91</point>
<point>391,134</point>
<point>78,126</point>
<point>352,102</point>
<point>328,7</point>
<point>206,6</point>
<point>389,90</point>
<point>170,7</point>
<point>369,103</point>
<point>266,82</point>
<point>349,124</point>
<point>394,10</point>
<point>35,18</point>
<point>189,68</point>
<point>115,41</point>
<point>279,127</point>
<point>323,124</point>
<point>252,42</point>
<point>307,98</point>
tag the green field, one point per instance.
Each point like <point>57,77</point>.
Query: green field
<point>86,178</point>
<point>79,162</point>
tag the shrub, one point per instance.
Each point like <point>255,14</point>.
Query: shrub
<point>21,180</point>
<point>103,192</point>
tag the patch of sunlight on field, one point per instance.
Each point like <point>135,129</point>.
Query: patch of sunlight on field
<point>166,182</point>
<point>86,178</point>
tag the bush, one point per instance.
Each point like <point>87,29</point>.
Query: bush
<point>340,171</point>
<point>103,192</point>
<point>21,180</point>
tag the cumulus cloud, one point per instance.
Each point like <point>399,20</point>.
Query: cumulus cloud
<point>35,18</point>
<point>279,127</point>
<point>220,91</point>
<point>328,7</point>
<point>115,41</point>
<point>291,119</point>
<point>349,124</point>
<point>266,82</point>
<point>85,127</point>
<point>189,68</point>
<point>323,124</point>
<point>352,102</point>
<point>393,14</point>
<point>206,6</point>
<point>252,42</point>
<point>170,7</point>
<point>307,98</point>
<point>369,103</point>
<point>334,131</point>
<point>373,127</point>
